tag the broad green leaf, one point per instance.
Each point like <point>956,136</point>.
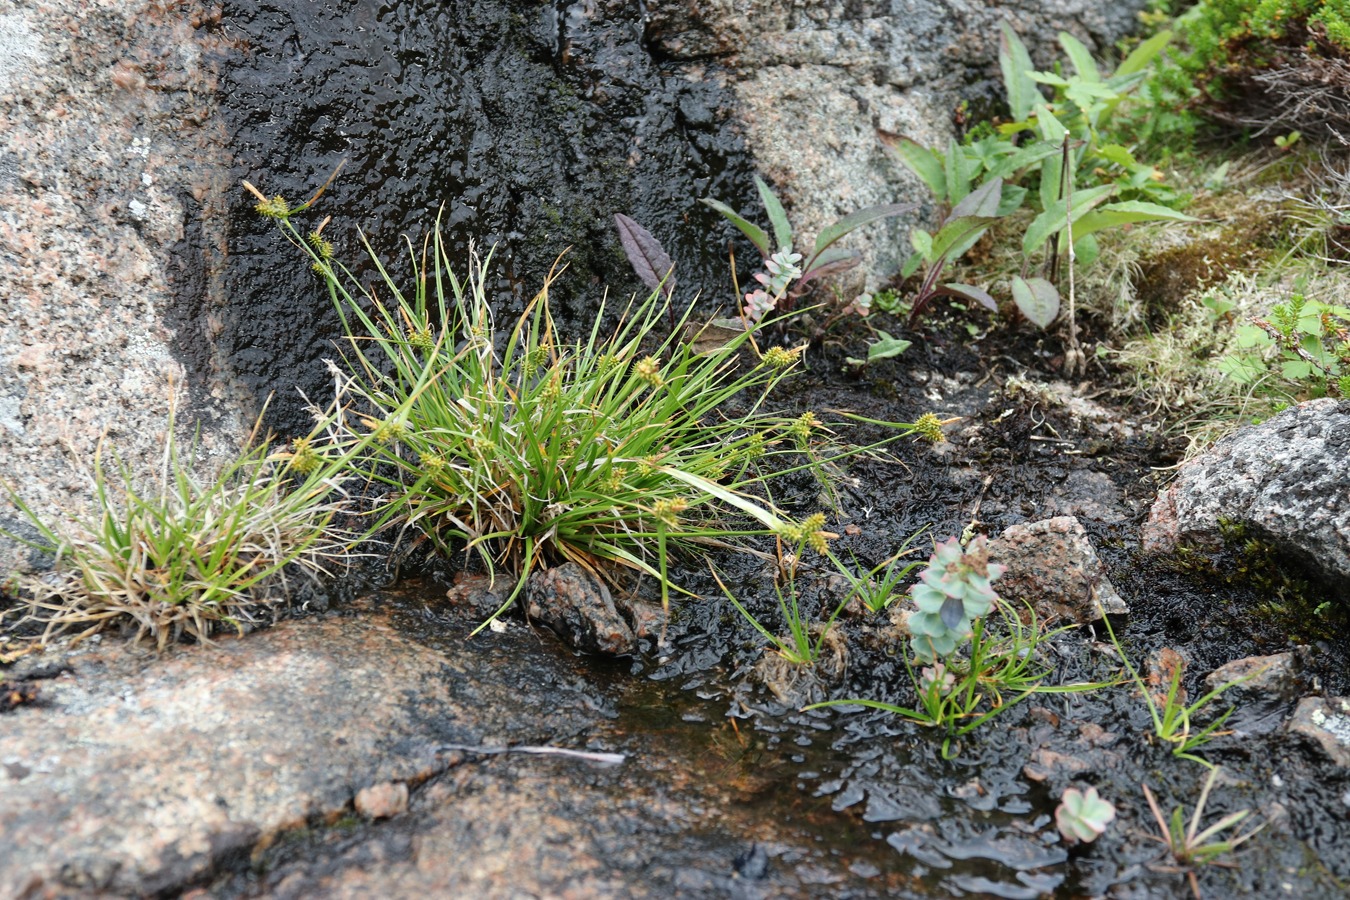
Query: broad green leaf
<point>1140,58</point>
<point>1052,170</point>
<point>1052,220</point>
<point>1013,198</point>
<point>1024,157</point>
<point>1086,250</point>
<point>1037,299</point>
<point>1080,56</point>
<point>983,201</point>
<point>1049,78</point>
<point>1115,214</point>
<point>924,163</point>
<point>1242,369</point>
<point>970,292</point>
<point>1051,129</point>
<point>1219,306</point>
<point>858,219</point>
<point>1251,336</point>
<point>1115,153</point>
<point>749,229</point>
<point>957,169</point>
<point>912,264</point>
<point>1086,94</point>
<point>959,233</point>
<point>1296,369</point>
<point>782,229</point>
<point>886,347</point>
<point>1015,63</point>
<point>922,242</point>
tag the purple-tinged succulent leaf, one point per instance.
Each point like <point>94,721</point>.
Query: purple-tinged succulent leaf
<point>649,260</point>
<point>953,611</point>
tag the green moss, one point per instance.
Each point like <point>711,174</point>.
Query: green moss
<point>1293,604</point>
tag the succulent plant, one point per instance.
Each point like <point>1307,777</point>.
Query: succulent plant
<point>1082,815</point>
<point>952,592</point>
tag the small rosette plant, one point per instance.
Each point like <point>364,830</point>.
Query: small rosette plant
<point>1082,815</point>
<point>952,592</point>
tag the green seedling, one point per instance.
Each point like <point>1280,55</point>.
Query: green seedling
<point>798,648</point>
<point>187,555</point>
<point>879,587</point>
<point>1191,847</point>
<point>787,273</point>
<point>1173,718</point>
<point>959,693</point>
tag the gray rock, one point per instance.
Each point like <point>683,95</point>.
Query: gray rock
<point>1053,566</point>
<point>579,610</point>
<point>138,774</point>
<point>1287,480</point>
<point>109,156</point>
<point>1326,720</point>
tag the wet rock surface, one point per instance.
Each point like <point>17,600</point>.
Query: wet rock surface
<point>535,124</point>
<point>1262,689</point>
<point>1287,480</point>
<point>1053,567</point>
<point>141,773</point>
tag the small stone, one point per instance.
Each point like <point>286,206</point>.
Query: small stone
<point>1053,566</point>
<point>579,610</point>
<point>1326,720</point>
<point>382,801</point>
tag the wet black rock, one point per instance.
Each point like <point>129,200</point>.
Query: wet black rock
<point>1263,690</point>
<point>532,125</point>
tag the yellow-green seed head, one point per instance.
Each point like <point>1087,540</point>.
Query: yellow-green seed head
<point>276,208</point>
<point>613,480</point>
<point>322,245</point>
<point>304,459</point>
<point>753,448</point>
<point>929,427</point>
<point>668,510</point>
<point>421,338</point>
<point>780,357</point>
<point>649,370</point>
<point>534,360</point>
<point>389,431</point>
<point>802,427</point>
